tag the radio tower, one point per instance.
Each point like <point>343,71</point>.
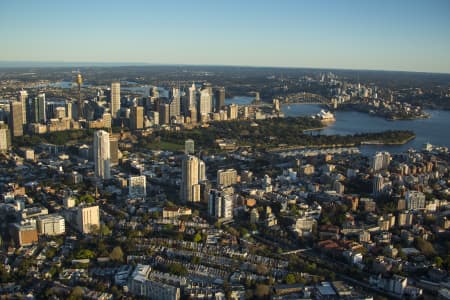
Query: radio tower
<point>80,103</point>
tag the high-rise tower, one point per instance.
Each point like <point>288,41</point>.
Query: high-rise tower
<point>16,123</point>
<point>205,105</point>
<point>175,105</point>
<point>23,98</point>
<point>79,82</point>
<point>192,102</point>
<point>220,98</point>
<point>136,117</point>
<point>39,109</point>
<point>115,99</point>
<point>102,155</point>
<point>190,189</point>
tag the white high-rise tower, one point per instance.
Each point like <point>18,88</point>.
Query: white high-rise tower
<point>102,155</point>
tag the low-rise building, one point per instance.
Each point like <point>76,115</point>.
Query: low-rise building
<point>140,284</point>
<point>24,234</point>
<point>53,224</point>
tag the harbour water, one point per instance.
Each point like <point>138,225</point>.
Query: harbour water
<point>434,130</point>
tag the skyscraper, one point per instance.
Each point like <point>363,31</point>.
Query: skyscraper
<point>220,98</point>
<point>136,117</point>
<point>23,98</point>
<point>192,98</point>
<point>190,189</point>
<point>79,82</point>
<point>205,105</point>
<point>233,110</point>
<point>39,109</point>
<point>102,154</point>
<point>114,151</point>
<point>175,105</point>
<point>5,137</point>
<point>164,115</point>
<point>378,185</point>
<point>201,170</point>
<point>69,109</point>
<point>106,117</point>
<point>381,160</point>
<point>16,123</point>
<point>115,99</point>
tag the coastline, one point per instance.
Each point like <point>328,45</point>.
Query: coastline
<point>376,142</point>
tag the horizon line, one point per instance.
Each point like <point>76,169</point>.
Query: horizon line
<point>59,64</point>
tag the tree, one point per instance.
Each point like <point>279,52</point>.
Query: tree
<point>290,278</point>
<point>87,199</point>
<point>438,261</point>
<point>4,275</point>
<point>178,269</point>
<point>262,291</point>
<point>77,293</point>
<point>104,230</point>
<point>261,269</point>
<point>85,253</point>
<point>116,254</point>
<point>425,247</point>
<point>197,237</point>
<point>195,260</point>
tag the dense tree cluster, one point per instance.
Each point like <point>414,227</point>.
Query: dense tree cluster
<point>272,133</point>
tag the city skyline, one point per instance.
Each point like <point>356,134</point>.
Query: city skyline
<point>385,35</point>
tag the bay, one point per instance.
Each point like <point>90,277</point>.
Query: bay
<point>434,130</point>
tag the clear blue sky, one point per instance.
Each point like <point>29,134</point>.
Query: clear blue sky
<point>374,34</point>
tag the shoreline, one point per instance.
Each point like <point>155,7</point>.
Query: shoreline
<point>349,145</point>
<point>376,142</point>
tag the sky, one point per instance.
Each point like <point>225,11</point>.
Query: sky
<point>404,35</point>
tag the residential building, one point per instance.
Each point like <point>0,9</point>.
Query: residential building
<point>175,103</point>
<point>16,122</point>
<point>378,185</point>
<point>226,177</point>
<point>220,98</point>
<point>381,160</point>
<point>141,284</point>
<point>24,234</point>
<point>233,111</point>
<point>205,104</point>
<point>53,224</point>
<point>88,218</point>
<point>5,138</point>
<point>114,150</point>
<point>115,99</point>
<point>190,188</point>
<point>189,147</point>
<point>220,204</point>
<point>102,154</point>
<point>137,117</point>
<point>137,187</point>
<point>415,200</point>
<point>23,98</point>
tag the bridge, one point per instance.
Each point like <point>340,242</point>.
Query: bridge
<point>307,98</point>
